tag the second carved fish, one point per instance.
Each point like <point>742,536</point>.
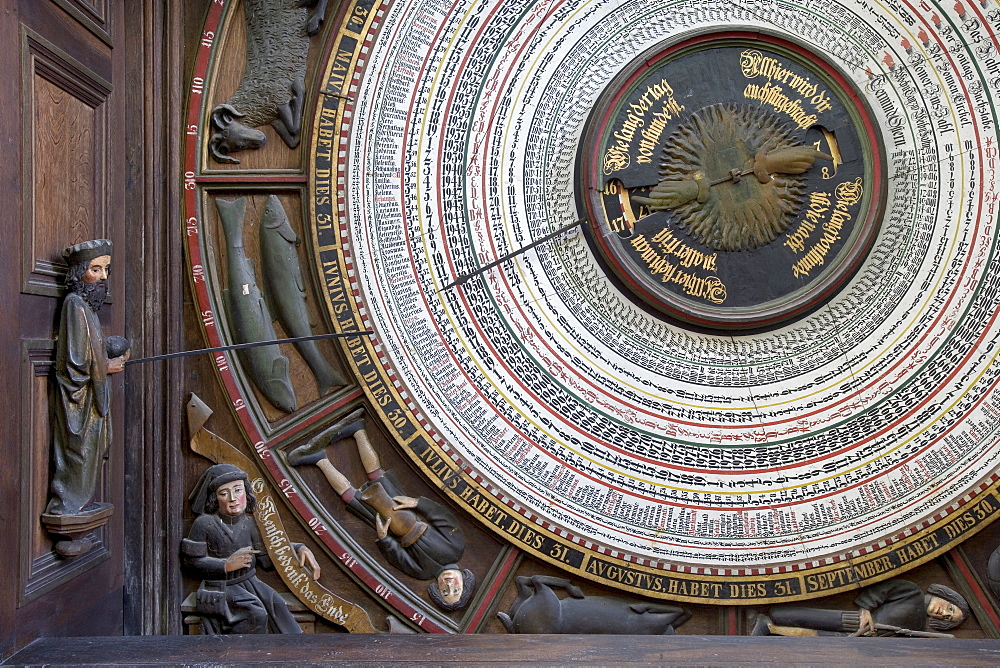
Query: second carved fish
<point>249,316</point>
<point>285,290</point>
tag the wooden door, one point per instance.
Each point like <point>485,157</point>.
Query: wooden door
<point>74,129</point>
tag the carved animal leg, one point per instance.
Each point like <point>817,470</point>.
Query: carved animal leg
<point>525,589</point>
<point>676,614</point>
<point>315,14</point>
<point>507,622</point>
<point>542,614</point>
<point>289,121</point>
<point>541,581</point>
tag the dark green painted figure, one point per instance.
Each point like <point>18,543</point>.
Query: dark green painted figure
<point>84,360</point>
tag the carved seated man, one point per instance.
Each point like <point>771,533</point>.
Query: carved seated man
<point>416,535</point>
<point>222,550</point>
<point>893,607</point>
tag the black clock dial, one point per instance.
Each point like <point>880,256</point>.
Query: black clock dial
<point>735,180</point>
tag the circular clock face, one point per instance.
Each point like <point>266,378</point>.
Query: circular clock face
<point>733,180</point>
<point>757,375</point>
<point>767,367</point>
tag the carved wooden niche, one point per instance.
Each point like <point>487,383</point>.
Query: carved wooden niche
<point>64,162</point>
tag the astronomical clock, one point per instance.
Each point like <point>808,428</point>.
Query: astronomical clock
<point>690,303</point>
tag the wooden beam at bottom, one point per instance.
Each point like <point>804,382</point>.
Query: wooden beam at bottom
<point>506,650</point>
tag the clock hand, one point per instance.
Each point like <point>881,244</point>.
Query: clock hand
<point>243,346</point>
<point>792,160</point>
<point>461,280</point>
<point>671,193</point>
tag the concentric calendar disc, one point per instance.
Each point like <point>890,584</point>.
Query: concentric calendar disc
<point>696,299</point>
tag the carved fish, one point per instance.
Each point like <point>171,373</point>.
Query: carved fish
<point>250,320</point>
<point>285,290</point>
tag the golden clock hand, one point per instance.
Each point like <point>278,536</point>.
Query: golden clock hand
<point>792,160</point>
<point>671,193</point>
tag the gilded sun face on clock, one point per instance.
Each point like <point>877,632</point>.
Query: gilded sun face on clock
<point>731,181</point>
<point>702,175</point>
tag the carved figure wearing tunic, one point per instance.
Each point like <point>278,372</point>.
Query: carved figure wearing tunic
<point>895,603</point>
<point>82,424</point>
<point>438,546</point>
<point>416,535</point>
<point>223,549</point>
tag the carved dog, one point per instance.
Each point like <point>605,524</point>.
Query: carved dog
<point>273,85</point>
<point>538,610</point>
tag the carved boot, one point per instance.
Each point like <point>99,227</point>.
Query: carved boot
<point>314,450</point>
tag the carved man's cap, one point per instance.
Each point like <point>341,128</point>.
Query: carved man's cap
<point>86,251</point>
<point>212,479</point>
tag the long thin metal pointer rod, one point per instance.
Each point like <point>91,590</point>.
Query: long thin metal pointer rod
<point>461,280</point>
<point>241,346</point>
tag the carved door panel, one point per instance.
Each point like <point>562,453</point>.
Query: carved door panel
<point>62,113</point>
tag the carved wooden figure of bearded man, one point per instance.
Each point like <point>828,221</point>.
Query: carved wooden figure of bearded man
<point>84,360</point>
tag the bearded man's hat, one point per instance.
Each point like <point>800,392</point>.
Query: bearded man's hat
<point>86,251</point>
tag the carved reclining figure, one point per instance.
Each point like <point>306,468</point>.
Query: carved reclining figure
<point>538,610</point>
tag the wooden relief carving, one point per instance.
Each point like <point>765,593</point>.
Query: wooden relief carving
<point>539,608</point>
<point>762,372</point>
<point>81,415</point>
<point>416,535</point>
<point>249,314</point>
<point>272,91</point>
<point>712,152</point>
<point>224,549</point>
<point>42,568</point>
<point>285,290</point>
<point>262,294</point>
<point>302,575</point>
<point>890,608</point>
